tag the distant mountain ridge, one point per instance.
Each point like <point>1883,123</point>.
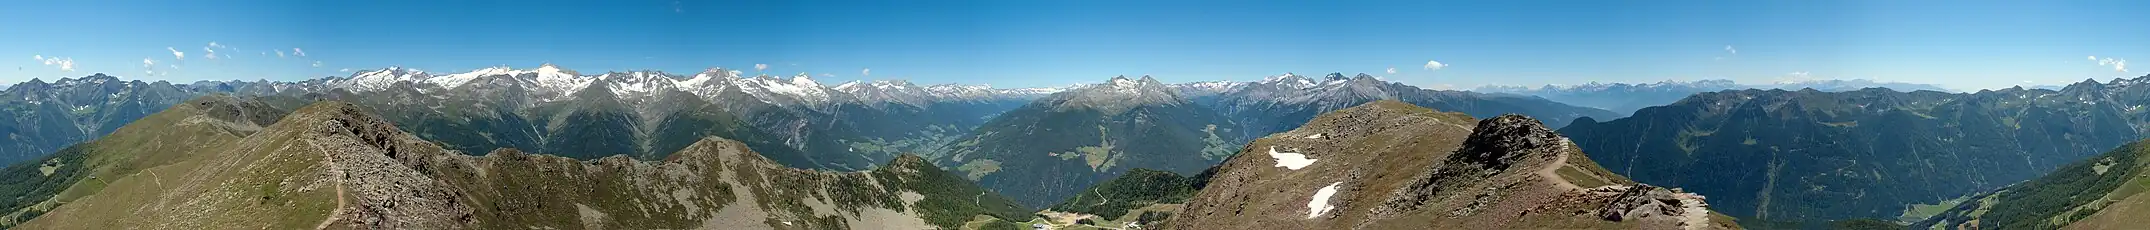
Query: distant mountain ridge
<point>1810,155</point>
<point>1625,98</point>
<point>1053,147</point>
<point>1282,102</point>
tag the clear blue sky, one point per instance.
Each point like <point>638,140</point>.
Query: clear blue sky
<point>1959,44</point>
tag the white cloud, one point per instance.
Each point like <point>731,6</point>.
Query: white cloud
<point>2119,65</point>
<point>65,64</point>
<point>1729,49</point>
<point>279,53</point>
<point>317,64</point>
<point>1435,65</point>
<point>343,70</point>
<point>2093,58</point>
<point>176,55</point>
<point>214,45</point>
<point>865,72</point>
<point>828,75</point>
<point>298,52</point>
<point>174,66</point>
<point>212,52</point>
<point>1392,70</point>
<point>146,63</point>
<point>761,67</point>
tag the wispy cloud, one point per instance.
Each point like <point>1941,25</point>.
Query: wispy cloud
<point>279,53</point>
<point>317,64</point>
<point>343,70</point>
<point>147,63</point>
<point>176,55</point>
<point>865,72</point>
<point>298,52</point>
<point>211,53</point>
<point>1729,51</point>
<point>1392,70</point>
<point>761,67</point>
<point>1435,65</point>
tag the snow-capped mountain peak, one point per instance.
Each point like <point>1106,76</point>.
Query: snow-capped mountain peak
<point>848,86</point>
<point>1117,95</point>
<point>639,82</point>
<point>803,80</point>
<point>380,79</point>
<point>1289,80</point>
<point>1121,82</point>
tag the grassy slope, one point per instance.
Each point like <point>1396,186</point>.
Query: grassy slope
<point>1138,189</point>
<point>2079,191</point>
<point>279,179</point>
<point>177,134</point>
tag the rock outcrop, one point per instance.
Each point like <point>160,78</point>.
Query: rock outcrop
<point>1391,165</point>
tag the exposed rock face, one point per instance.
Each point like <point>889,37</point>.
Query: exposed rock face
<point>1398,166</point>
<point>377,190</point>
<point>1639,202</point>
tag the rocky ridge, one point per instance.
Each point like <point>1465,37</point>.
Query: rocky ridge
<point>1392,165</point>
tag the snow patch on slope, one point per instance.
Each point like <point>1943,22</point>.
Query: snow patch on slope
<point>1293,161</point>
<point>1320,204</point>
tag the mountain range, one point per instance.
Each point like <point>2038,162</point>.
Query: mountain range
<point>229,162</point>
<point>1809,155</point>
<point>576,146</point>
<point>1625,98</point>
<point>798,122</point>
<point>1281,103</point>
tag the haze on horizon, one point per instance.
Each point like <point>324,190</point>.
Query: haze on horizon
<point>1959,45</point>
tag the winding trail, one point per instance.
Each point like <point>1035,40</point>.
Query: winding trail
<point>329,160</point>
<point>1552,170</point>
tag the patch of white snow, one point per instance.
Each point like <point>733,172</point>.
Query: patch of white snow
<point>1293,161</point>
<point>1320,205</point>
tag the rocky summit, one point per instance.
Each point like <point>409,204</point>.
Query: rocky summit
<point>1393,165</point>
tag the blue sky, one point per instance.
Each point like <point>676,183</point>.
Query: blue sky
<point>1958,44</point>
